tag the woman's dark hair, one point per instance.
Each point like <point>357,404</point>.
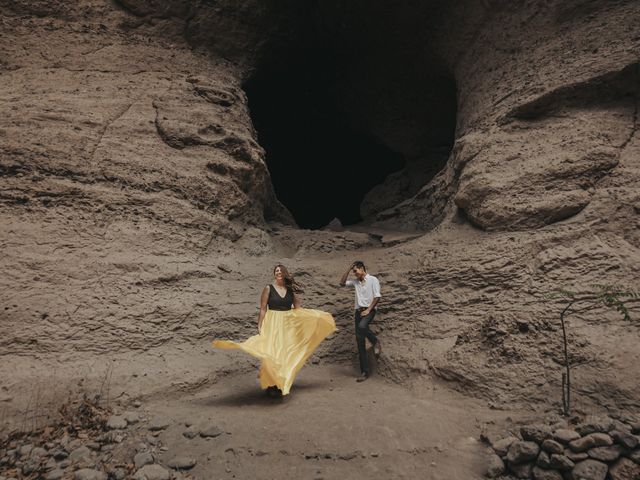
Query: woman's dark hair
<point>359,264</point>
<point>289,281</point>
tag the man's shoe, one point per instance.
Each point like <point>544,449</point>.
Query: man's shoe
<point>377,349</point>
<point>362,377</point>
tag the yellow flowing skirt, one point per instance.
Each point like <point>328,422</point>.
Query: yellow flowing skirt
<point>286,340</point>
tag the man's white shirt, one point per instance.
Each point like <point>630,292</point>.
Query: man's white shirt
<point>366,290</point>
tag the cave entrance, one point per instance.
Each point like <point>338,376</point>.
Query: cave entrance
<point>320,166</point>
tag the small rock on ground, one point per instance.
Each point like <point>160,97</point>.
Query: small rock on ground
<point>89,474</point>
<point>182,463</point>
<point>152,472</point>
<point>116,422</point>
<point>159,423</point>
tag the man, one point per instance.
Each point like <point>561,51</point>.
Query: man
<point>368,295</point>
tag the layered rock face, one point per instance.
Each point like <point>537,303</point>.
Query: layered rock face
<point>139,220</point>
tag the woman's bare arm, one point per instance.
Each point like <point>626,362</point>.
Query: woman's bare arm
<point>264,298</point>
<point>296,301</point>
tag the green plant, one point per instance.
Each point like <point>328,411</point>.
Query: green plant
<point>611,296</point>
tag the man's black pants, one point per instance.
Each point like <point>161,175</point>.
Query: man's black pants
<point>362,332</point>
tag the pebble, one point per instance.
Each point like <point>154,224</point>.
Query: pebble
<point>116,422</point>
<point>142,459</point>
<point>159,423</point>
<point>38,452</point>
<point>25,450</point>
<point>181,463</point>
<point>151,440</point>
<point>118,474</point>
<point>59,454</point>
<point>190,433</point>
<point>210,431</point>
<point>79,453</point>
<point>137,403</point>
<point>589,470</point>
<point>89,474</point>
<point>152,472</point>
<point>131,417</point>
<point>56,474</point>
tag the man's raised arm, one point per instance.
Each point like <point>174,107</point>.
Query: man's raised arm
<point>343,280</point>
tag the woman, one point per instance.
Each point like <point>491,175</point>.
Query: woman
<point>287,336</point>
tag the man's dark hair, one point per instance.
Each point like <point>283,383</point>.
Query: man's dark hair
<point>359,264</point>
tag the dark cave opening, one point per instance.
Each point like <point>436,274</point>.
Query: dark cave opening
<point>321,168</point>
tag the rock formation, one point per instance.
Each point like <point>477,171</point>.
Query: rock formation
<point>139,219</point>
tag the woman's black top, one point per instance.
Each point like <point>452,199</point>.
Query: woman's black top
<point>276,302</point>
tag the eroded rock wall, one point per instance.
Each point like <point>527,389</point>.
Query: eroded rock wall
<point>136,204</point>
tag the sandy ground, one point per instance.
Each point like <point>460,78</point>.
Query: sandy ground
<point>330,427</point>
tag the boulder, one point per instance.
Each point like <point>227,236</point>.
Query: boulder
<point>606,454</point>
<point>543,474</point>
<point>551,446</point>
<point>560,462</point>
<point>590,441</point>
<point>625,439</point>
<point>589,470</point>
<point>495,467</point>
<point>501,446</point>
<point>522,470</point>
<point>522,452</point>
<point>625,469</point>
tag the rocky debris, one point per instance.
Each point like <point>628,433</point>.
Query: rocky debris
<point>565,454</point>
<point>152,472</point>
<point>182,463</point>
